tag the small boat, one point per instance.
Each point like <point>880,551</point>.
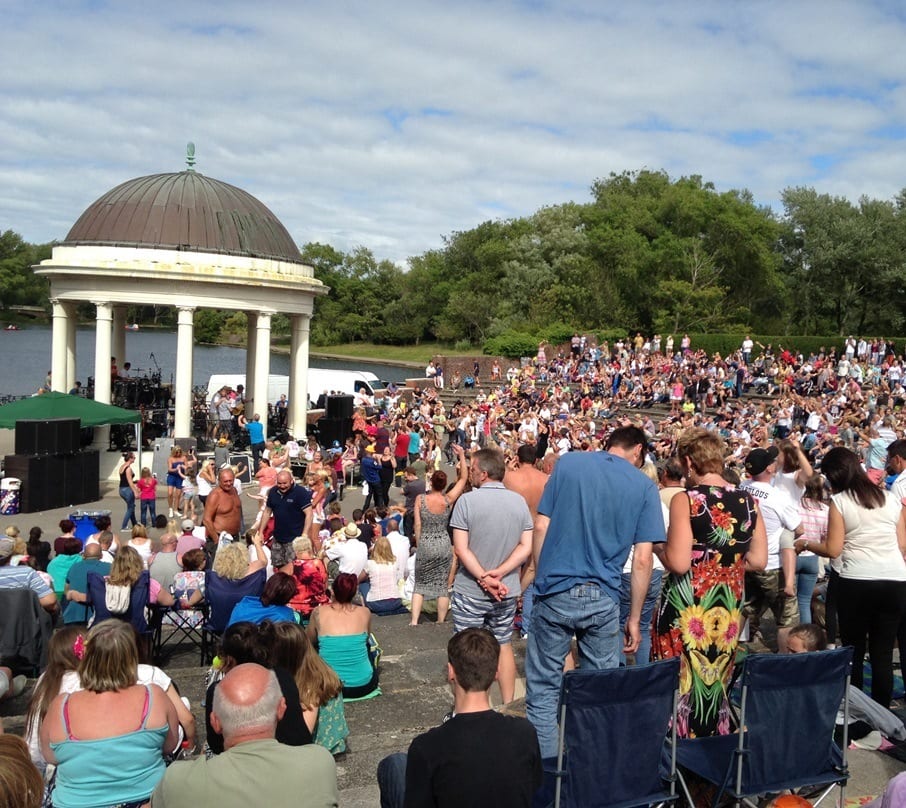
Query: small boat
<point>133,327</point>
<point>11,327</point>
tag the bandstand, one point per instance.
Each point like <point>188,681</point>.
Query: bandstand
<point>191,242</point>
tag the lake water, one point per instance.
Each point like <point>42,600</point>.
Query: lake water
<point>25,359</point>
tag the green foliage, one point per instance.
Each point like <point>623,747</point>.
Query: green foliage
<point>19,286</point>
<point>556,333</point>
<point>512,344</point>
<point>462,346</point>
<point>208,324</point>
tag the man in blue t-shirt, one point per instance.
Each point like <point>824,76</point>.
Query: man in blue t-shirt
<point>290,505</point>
<point>77,608</point>
<point>256,437</point>
<point>594,509</point>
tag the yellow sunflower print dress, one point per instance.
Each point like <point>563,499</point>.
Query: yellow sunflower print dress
<point>699,615</point>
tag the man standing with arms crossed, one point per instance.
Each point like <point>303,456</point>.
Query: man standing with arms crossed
<point>595,507</point>
<point>492,538</point>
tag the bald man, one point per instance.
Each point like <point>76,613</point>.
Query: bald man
<point>76,608</point>
<point>223,508</point>
<point>290,505</point>
<point>254,769</point>
<point>523,477</point>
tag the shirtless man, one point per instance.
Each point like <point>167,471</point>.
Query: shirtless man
<point>525,479</point>
<point>223,508</point>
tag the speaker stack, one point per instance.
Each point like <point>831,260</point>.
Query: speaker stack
<point>54,473</point>
<point>336,425</point>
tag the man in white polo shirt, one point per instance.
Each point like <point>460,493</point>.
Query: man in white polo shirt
<point>775,587</point>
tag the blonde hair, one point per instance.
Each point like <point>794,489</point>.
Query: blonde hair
<point>231,562</point>
<point>126,568</point>
<point>705,450</point>
<point>139,532</point>
<point>302,544</point>
<point>650,471</point>
<point>21,784</point>
<point>382,552</point>
<point>110,662</point>
<point>12,531</point>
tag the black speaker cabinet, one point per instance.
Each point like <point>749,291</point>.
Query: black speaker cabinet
<point>52,436</point>
<point>55,481</point>
<point>334,429</point>
<point>339,407</point>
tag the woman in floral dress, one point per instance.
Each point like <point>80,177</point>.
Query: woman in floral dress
<point>715,535</point>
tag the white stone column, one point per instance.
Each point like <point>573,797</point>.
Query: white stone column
<point>102,352</point>
<point>71,353</point>
<point>119,335</point>
<point>58,364</point>
<point>185,328</point>
<point>258,390</point>
<point>297,424</point>
<point>250,353</point>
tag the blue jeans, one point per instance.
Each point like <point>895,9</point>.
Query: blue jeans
<point>587,612</point>
<point>528,600</point>
<point>149,510</point>
<point>391,777</point>
<point>806,578</point>
<point>128,496</point>
<point>643,654</point>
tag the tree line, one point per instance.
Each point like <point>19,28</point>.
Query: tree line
<point>646,253</point>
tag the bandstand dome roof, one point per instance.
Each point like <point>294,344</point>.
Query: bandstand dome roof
<point>185,211</point>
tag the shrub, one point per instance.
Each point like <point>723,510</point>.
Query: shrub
<point>512,344</point>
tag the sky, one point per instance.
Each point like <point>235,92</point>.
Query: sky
<point>389,125</point>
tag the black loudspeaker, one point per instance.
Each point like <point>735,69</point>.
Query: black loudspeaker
<point>55,481</point>
<point>243,462</point>
<point>334,429</point>
<point>339,407</point>
<point>54,436</point>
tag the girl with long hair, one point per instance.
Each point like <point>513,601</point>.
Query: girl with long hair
<point>866,529</point>
<point>320,689</point>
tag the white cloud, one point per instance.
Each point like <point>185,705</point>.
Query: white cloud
<point>389,125</point>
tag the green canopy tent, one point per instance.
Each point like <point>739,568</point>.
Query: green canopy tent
<point>61,405</point>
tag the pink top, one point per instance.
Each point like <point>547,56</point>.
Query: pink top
<point>147,487</point>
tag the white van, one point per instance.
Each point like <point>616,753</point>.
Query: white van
<point>320,380</point>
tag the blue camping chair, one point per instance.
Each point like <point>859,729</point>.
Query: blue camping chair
<point>788,709</point>
<point>615,726</point>
<point>222,595</point>
<point>138,602</point>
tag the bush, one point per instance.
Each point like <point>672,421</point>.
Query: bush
<point>462,346</point>
<point>512,344</point>
<point>555,333</point>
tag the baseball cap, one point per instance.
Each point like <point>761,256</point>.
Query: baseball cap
<point>7,547</point>
<point>759,459</point>
<point>188,524</point>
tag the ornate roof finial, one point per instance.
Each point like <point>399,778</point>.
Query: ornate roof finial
<point>190,156</point>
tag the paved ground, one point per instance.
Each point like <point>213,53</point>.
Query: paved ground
<point>415,696</point>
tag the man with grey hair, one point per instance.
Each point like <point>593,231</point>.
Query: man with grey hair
<point>254,769</point>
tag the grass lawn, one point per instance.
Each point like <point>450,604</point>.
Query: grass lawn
<point>399,353</point>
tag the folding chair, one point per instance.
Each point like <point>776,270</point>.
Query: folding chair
<point>615,727</point>
<point>222,595</point>
<point>25,630</point>
<point>136,614</point>
<point>788,711</point>
<point>184,627</point>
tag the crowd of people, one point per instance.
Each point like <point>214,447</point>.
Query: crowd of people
<point>643,501</point>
